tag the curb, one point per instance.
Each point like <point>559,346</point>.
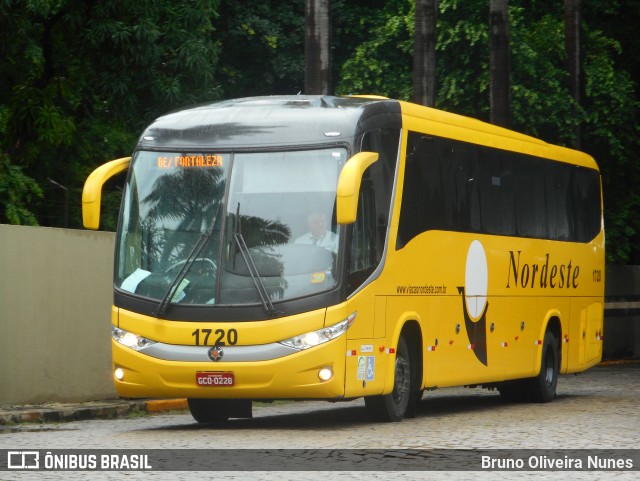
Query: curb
<point>160,405</point>
<point>618,362</point>
<point>84,411</point>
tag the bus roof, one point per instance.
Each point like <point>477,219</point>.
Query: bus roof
<point>270,121</point>
<point>297,120</point>
<point>467,129</point>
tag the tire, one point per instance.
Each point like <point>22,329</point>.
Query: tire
<point>514,391</point>
<point>392,407</point>
<point>542,388</point>
<point>210,410</point>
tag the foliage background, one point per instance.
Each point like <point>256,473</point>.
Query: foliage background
<point>79,80</point>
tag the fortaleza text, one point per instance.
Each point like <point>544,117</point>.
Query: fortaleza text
<point>203,160</point>
<point>557,463</point>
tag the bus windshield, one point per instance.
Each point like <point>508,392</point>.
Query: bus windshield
<point>229,228</point>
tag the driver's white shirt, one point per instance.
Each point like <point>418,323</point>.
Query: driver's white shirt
<point>329,240</point>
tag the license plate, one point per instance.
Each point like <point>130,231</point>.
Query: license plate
<point>215,379</point>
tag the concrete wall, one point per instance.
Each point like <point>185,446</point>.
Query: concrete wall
<point>56,293</point>
<point>622,313</point>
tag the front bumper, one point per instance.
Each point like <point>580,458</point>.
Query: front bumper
<point>292,376</point>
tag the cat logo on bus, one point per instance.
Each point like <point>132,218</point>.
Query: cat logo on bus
<point>474,300</point>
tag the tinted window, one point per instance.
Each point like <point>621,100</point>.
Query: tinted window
<point>458,186</point>
<point>531,207</point>
<point>497,202</point>
<point>368,233</point>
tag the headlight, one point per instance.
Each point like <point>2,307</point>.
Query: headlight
<point>315,338</point>
<point>129,339</point>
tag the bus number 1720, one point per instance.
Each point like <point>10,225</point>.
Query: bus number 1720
<point>223,338</point>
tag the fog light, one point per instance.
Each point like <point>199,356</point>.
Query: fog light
<point>325,374</point>
<point>118,373</point>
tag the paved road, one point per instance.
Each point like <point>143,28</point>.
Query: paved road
<point>595,410</point>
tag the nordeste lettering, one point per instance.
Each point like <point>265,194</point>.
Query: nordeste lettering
<point>546,275</point>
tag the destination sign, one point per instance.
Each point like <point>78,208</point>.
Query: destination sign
<point>189,161</point>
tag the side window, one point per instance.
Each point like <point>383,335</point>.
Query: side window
<point>496,193</point>
<point>557,191</point>
<point>530,203</point>
<point>440,188</point>
<point>381,174</point>
<point>364,258</point>
<point>374,204</point>
<point>415,217</point>
<point>586,200</point>
<point>462,187</point>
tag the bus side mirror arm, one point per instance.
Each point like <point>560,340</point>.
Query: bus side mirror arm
<point>92,192</point>
<point>349,186</point>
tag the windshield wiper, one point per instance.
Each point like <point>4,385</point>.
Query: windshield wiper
<point>184,270</point>
<point>251,267</point>
<point>255,275</point>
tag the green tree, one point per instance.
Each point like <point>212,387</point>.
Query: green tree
<point>611,135</point>
<point>612,79</point>
<point>499,63</point>
<point>381,63</point>
<point>261,47</point>
<point>80,80</point>
<point>17,191</point>
<point>541,104</point>
<point>317,47</point>
<point>424,52</point>
<point>573,49</point>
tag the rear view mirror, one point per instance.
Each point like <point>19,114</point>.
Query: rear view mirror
<point>92,192</point>
<point>349,186</point>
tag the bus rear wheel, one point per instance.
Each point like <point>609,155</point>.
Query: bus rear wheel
<point>218,410</point>
<point>392,407</point>
<point>542,388</point>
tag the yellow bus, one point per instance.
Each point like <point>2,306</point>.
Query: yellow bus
<point>315,247</point>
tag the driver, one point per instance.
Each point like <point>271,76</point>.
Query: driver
<point>318,233</point>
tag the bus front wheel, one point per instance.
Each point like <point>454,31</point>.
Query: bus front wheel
<point>393,406</point>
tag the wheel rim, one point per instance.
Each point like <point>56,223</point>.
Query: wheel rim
<point>550,368</point>
<point>401,387</point>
